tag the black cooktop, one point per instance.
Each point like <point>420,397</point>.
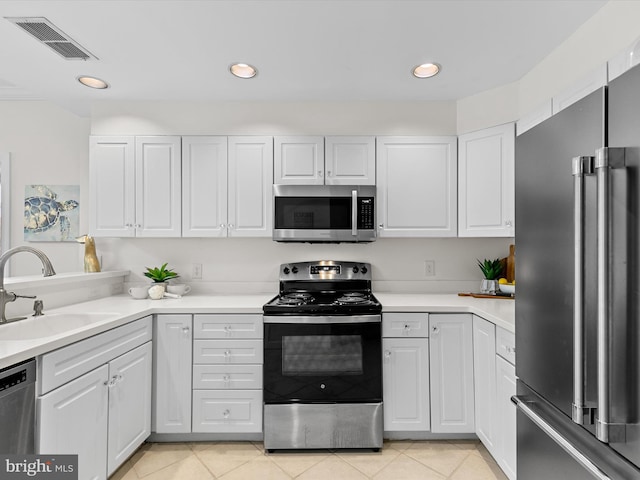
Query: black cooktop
<point>324,288</point>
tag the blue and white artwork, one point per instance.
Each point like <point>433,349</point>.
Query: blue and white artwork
<point>51,213</point>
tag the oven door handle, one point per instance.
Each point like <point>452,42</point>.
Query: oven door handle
<point>322,319</point>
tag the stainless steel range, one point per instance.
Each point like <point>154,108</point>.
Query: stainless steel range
<point>323,359</point>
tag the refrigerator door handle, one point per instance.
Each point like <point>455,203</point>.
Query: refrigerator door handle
<point>527,408</point>
<point>606,159</point>
<point>581,414</point>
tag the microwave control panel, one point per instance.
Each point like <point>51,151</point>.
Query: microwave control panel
<point>366,216</point>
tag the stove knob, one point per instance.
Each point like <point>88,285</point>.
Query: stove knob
<point>363,269</point>
<point>355,269</point>
<point>286,270</point>
<point>294,269</point>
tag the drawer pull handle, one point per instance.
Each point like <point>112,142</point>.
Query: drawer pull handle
<point>226,414</point>
<point>227,329</point>
<point>387,355</point>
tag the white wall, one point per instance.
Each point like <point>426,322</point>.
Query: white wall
<point>267,118</point>
<point>48,145</point>
<point>612,29</point>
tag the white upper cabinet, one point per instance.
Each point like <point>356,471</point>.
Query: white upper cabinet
<point>486,182</point>
<point>112,186</point>
<point>417,186</point>
<point>135,186</point>
<point>158,187</point>
<point>250,186</point>
<point>299,160</point>
<point>204,186</point>
<point>350,160</point>
<point>316,160</point>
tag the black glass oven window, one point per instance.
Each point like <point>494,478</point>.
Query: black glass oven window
<point>321,355</point>
<point>318,213</point>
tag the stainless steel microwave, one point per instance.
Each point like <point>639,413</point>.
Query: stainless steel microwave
<point>324,213</point>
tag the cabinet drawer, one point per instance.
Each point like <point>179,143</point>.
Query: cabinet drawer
<point>60,366</point>
<point>227,411</point>
<point>405,325</point>
<point>227,326</point>
<point>227,351</point>
<point>506,345</point>
<point>227,377</point>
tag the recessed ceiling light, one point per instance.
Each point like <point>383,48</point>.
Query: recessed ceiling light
<point>93,82</point>
<point>243,70</point>
<point>426,70</point>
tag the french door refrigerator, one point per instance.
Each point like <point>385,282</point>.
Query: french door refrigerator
<point>578,302</point>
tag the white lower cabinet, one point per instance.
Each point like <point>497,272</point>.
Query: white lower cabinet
<point>495,384</point>
<point>227,374</point>
<point>506,432</point>
<point>484,371</point>
<point>451,368</point>
<point>405,372</point>
<point>506,417</point>
<point>406,384</point>
<point>73,420</point>
<point>103,414</point>
<point>172,374</point>
<point>129,404</point>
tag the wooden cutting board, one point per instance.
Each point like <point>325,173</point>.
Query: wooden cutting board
<point>485,295</point>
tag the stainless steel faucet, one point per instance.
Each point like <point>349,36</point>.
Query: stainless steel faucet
<point>6,297</point>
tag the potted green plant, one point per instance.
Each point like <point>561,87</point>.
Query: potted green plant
<point>491,270</point>
<point>159,277</point>
<point>161,274</point>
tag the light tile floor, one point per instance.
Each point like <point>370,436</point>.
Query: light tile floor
<point>398,460</point>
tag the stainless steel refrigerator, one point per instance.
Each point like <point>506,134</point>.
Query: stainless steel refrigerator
<point>578,301</point>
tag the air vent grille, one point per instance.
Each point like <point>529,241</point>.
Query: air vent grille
<point>51,36</point>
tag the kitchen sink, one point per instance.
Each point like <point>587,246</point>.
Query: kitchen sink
<point>49,325</point>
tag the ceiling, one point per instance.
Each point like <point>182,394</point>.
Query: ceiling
<point>305,50</point>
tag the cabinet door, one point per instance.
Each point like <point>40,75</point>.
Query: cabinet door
<point>417,186</point>
<point>406,384</point>
<point>204,186</point>
<point>250,186</point>
<point>486,182</point>
<point>451,362</point>
<point>72,419</point>
<point>112,186</point>
<point>506,417</point>
<point>158,187</point>
<point>172,374</point>
<point>298,160</point>
<point>484,369</point>
<point>129,404</point>
<point>350,160</point>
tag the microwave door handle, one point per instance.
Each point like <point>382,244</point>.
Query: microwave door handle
<point>354,212</point>
<point>581,414</point>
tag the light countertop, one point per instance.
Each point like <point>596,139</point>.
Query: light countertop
<point>499,310</point>
<point>121,309</point>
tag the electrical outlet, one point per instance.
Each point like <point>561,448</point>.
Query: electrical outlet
<point>429,268</point>
<point>196,272</point>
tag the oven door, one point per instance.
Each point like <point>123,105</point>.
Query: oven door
<point>322,359</point>
<point>324,213</point>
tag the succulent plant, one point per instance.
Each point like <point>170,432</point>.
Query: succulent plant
<point>159,275</point>
<point>491,269</point>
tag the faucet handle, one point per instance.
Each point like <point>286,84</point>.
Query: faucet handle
<point>25,296</point>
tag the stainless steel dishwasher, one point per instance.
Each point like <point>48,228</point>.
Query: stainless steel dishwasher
<point>17,408</point>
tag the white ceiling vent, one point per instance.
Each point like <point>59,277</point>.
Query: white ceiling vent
<point>50,35</point>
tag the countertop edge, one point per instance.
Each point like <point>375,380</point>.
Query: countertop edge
<point>499,312</point>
